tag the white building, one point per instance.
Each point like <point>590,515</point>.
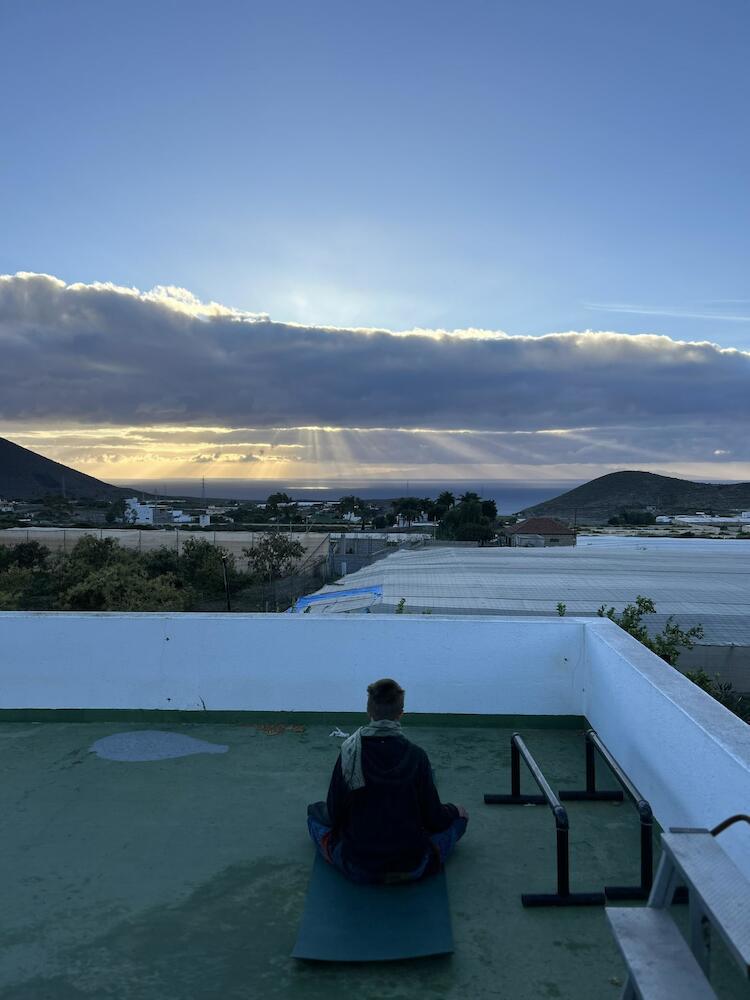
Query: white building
<point>155,514</point>
<point>708,519</point>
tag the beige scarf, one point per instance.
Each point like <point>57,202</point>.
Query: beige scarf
<point>351,750</point>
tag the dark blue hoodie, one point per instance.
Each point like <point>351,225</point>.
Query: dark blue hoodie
<point>384,827</point>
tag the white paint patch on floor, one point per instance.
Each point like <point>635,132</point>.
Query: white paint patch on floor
<point>151,744</point>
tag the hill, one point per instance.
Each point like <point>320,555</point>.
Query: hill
<point>596,501</point>
<point>24,475</point>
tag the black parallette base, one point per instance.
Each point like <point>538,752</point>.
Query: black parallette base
<point>515,800</point>
<point>625,892</point>
<point>573,795</point>
<point>555,899</point>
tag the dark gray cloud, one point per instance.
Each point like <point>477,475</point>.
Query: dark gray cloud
<point>104,355</point>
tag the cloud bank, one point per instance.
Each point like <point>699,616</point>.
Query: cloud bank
<point>108,357</point>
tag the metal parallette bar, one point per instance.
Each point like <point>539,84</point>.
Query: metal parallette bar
<point>563,896</point>
<point>591,793</point>
<point>645,815</point>
<point>515,798</point>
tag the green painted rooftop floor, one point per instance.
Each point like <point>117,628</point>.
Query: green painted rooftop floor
<point>185,878</point>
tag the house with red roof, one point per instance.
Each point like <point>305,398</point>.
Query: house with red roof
<point>539,532</point>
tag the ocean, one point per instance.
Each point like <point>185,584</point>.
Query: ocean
<point>509,495</point>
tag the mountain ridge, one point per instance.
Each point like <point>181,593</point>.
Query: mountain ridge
<point>26,475</point>
<point>601,498</point>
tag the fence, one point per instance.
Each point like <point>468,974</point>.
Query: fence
<point>146,540</point>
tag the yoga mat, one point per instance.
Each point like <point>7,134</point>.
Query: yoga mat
<point>346,922</point>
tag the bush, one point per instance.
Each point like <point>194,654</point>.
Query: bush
<point>476,531</point>
<point>667,644</point>
<point>200,565</point>
<point>275,556</point>
<point>26,555</point>
<point>633,516</point>
<point>722,691</point>
<point>121,587</point>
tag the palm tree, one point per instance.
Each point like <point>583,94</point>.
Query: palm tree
<point>446,499</point>
<point>408,507</point>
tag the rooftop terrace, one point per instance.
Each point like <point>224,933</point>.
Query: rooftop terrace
<point>186,877</point>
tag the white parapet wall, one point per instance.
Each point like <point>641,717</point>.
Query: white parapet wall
<point>688,755</point>
<point>298,663</point>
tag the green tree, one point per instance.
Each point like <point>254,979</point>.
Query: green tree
<point>723,692</point>
<point>16,585</point>
<point>250,513</point>
<point>123,587</point>
<point>157,562</point>
<point>115,512</point>
<point>26,555</point>
<point>446,499</point>
<point>348,505</point>
<point>668,644</point>
<point>489,509</point>
<point>633,516</point>
<point>409,508</point>
<point>90,553</point>
<point>354,505</point>
<point>429,508</point>
<point>276,500</point>
<point>275,556</point>
<point>465,522</point>
<point>201,565</point>
<point>474,532</point>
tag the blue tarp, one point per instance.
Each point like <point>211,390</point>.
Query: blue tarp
<point>305,602</point>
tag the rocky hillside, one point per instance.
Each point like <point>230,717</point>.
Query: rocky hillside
<point>24,475</point>
<point>595,502</point>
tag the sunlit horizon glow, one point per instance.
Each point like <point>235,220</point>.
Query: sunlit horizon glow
<point>128,454</point>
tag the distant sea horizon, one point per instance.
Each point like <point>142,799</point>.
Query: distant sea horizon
<point>509,495</point>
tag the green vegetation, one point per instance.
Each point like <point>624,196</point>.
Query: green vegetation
<point>630,516</point>
<point>408,508</point>
<point>275,556</point>
<point>115,512</point>
<point>100,575</point>
<point>723,692</point>
<point>470,520</point>
<point>668,644</point>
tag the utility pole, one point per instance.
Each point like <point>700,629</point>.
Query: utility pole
<point>226,582</point>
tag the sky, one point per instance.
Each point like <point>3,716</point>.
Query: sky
<point>397,240</point>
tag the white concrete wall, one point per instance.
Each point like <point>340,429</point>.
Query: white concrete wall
<point>285,662</point>
<point>686,754</point>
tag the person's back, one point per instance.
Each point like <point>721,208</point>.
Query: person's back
<point>384,817</point>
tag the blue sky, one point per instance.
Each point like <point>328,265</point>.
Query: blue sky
<point>499,165</point>
<point>517,167</point>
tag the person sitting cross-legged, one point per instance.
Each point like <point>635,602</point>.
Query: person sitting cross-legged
<point>383,820</point>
